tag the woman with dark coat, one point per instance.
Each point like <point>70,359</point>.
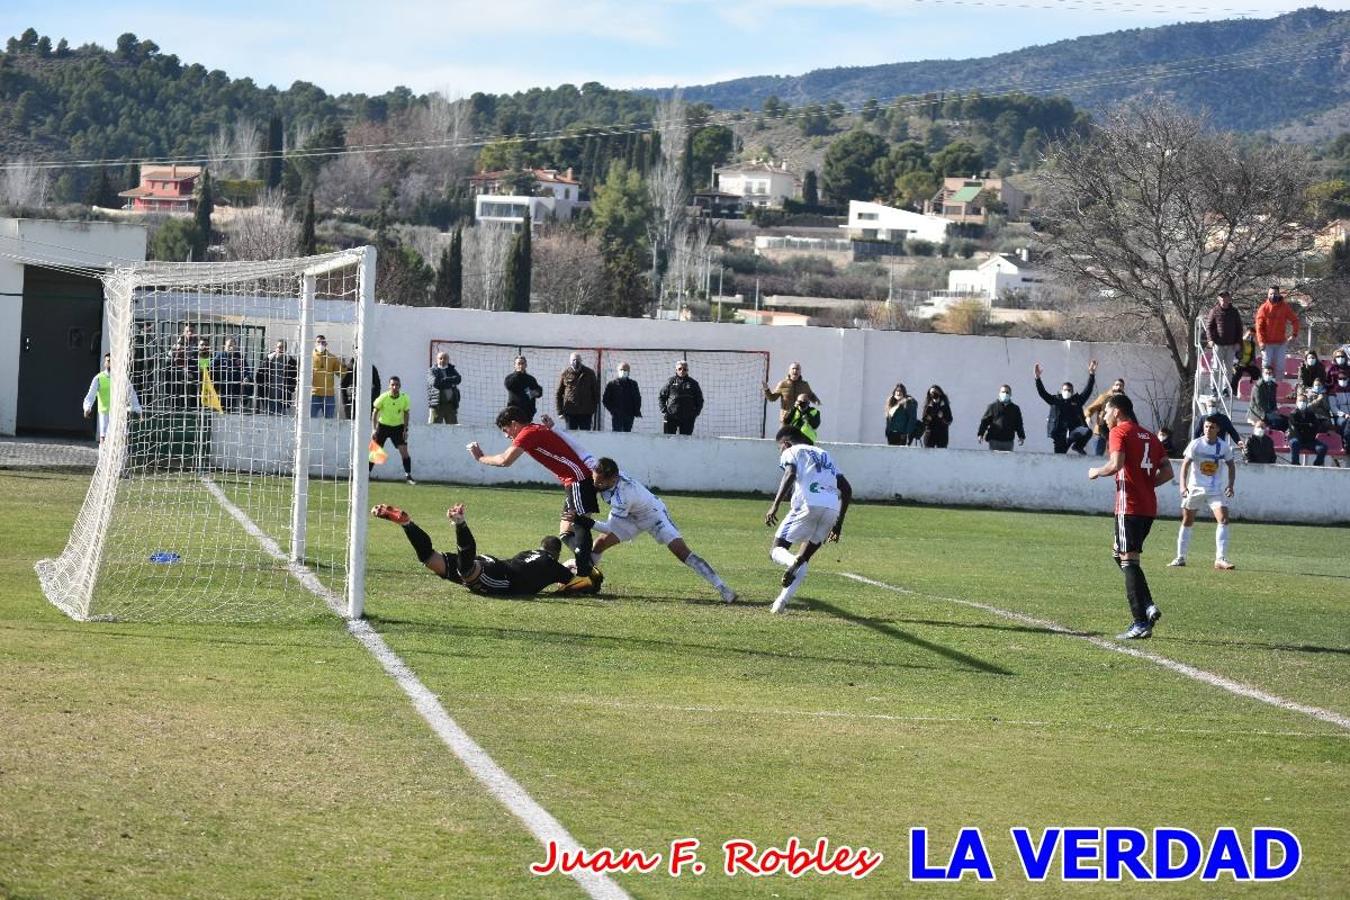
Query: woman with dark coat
<point>937,418</point>
<point>902,417</point>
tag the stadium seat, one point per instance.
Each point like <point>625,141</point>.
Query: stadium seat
<point>1245,389</point>
<point>1291,365</point>
<point>1335,446</point>
<point>1280,440</point>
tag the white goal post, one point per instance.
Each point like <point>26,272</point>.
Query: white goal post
<point>239,491</point>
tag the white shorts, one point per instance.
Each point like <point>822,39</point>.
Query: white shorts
<point>658,525</point>
<point>811,524</point>
<point>1197,498</point>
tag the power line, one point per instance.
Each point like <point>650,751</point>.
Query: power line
<point>1142,71</point>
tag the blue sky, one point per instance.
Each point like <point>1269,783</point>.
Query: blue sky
<point>507,45</point>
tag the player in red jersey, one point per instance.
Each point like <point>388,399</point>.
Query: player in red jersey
<point>1140,465</point>
<point>567,460</point>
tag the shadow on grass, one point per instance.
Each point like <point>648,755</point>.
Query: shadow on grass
<point>409,626</point>
<point>1258,645</point>
<point>889,630</point>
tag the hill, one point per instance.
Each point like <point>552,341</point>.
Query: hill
<point>1246,74</point>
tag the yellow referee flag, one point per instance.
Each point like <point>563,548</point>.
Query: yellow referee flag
<point>209,399</point>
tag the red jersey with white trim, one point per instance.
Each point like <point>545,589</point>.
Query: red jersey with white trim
<point>1144,455</point>
<point>554,452</point>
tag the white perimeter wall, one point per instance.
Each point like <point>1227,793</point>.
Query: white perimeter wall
<point>852,371</point>
<point>939,477</point>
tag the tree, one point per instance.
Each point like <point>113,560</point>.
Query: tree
<point>449,290</point>
<point>849,169</point>
<point>810,194</point>
<point>814,121</point>
<point>44,47</point>
<point>1329,200</point>
<point>870,109</point>
<point>1157,212</point>
<point>201,219</point>
<point>913,188</point>
<point>517,286</point>
<point>273,153</point>
<point>774,108</point>
<point>172,241</point>
<point>621,208</point>
<point>309,244</point>
<point>669,198</point>
<point>126,46</point>
<point>711,147</point>
<point>959,159</point>
<point>101,191</point>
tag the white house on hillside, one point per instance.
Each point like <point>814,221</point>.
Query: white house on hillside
<point>875,222</point>
<point>556,196</point>
<point>994,276</point>
<point>757,183</point>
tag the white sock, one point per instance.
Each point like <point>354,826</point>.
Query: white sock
<point>1184,541</point>
<point>1221,541</point>
<point>786,593</point>
<point>783,556</point>
<point>705,571</point>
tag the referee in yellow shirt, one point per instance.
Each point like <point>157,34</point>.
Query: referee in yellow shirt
<point>389,418</point>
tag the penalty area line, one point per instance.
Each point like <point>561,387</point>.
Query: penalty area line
<point>503,788</point>
<point>1189,671</point>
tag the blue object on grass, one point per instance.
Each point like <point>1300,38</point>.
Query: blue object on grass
<point>164,556</point>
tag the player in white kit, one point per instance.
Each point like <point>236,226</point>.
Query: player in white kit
<point>820,497</point>
<point>634,509</point>
<point>1200,481</point>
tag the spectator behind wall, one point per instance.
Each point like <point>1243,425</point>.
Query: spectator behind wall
<point>522,390</point>
<point>789,389</point>
<point>1001,422</point>
<point>275,381</point>
<point>681,401</point>
<point>804,417</point>
<point>902,417</point>
<point>936,417</point>
<point>443,392</point>
<point>1259,449</point>
<point>578,394</point>
<point>1064,424</point>
<point>622,399</point>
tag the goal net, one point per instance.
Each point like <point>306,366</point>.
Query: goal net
<point>733,404</point>
<point>238,491</point>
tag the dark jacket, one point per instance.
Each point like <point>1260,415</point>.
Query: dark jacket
<point>937,414</point>
<point>1264,398</point>
<point>1065,415</point>
<point>1306,425</point>
<point>276,377</point>
<point>1224,326</point>
<point>442,386</point>
<point>681,399</point>
<point>578,391</point>
<point>623,398</point>
<point>1259,449</point>
<point>1002,422</point>
<point>904,418</point>
<point>1306,374</point>
<point>1226,428</point>
<point>227,371</point>
<point>521,391</point>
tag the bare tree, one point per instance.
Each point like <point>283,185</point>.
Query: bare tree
<point>665,181</point>
<point>568,273</point>
<point>218,150</point>
<point>264,231</point>
<point>245,148</point>
<point>485,250</point>
<point>350,181</point>
<point>23,184</point>
<point>1156,213</point>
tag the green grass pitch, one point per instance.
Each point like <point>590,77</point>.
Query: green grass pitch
<point>213,760</point>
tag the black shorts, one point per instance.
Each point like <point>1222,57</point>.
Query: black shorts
<point>395,433</point>
<point>581,498</point>
<point>1131,532</point>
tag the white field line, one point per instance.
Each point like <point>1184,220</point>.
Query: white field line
<point>761,711</point>
<point>505,789</point>
<point>1209,678</point>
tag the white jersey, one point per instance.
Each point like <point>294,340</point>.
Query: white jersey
<point>1207,463</point>
<point>817,485</point>
<point>634,509</point>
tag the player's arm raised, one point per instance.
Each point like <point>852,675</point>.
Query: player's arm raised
<point>784,486</point>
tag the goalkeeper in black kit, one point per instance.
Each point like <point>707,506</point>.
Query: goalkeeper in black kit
<point>524,574</point>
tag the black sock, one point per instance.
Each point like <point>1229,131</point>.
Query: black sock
<point>582,551</point>
<point>1136,589</point>
<point>370,467</point>
<point>420,540</point>
<point>407,466</point>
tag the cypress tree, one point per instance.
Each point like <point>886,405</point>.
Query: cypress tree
<point>308,242</point>
<point>201,219</point>
<point>810,193</point>
<point>517,281</point>
<point>449,290</point>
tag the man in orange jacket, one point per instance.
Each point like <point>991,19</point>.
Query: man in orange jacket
<point>1273,322</point>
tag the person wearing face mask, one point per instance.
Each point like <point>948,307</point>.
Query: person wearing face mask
<point>1305,426</point>
<point>1001,422</point>
<point>1064,424</point>
<point>622,399</point>
<point>1264,407</point>
<point>680,401</point>
<point>578,394</point>
<point>936,418</point>
<point>1312,369</point>
<point>1259,448</point>
<point>1094,415</point>
<point>1223,328</point>
<point>1338,408</point>
<point>1209,408</point>
<point>902,417</point>
<point>1338,372</point>
<point>325,376</point>
<point>1274,322</point>
<point>1246,361</point>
